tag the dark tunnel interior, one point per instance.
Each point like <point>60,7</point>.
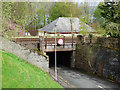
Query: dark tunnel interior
<point>63,58</point>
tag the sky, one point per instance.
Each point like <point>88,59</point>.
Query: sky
<point>80,0</point>
<point>89,0</point>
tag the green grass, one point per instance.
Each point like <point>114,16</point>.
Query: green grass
<point>18,74</point>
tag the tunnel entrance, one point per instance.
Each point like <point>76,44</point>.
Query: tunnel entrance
<point>63,58</point>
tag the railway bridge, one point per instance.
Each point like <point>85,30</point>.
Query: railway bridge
<point>47,44</point>
<point>65,48</point>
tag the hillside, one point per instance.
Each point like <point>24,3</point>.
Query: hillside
<point>18,74</point>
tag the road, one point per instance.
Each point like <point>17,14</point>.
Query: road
<point>81,80</point>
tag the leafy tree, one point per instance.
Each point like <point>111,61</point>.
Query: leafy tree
<point>98,17</point>
<point>110,12</point>
<point>68,9</point>
<point>108,16</point>
<point>26,14</point>
<point>59,9</point>
<point>85,12</point>
<point>99,21</point>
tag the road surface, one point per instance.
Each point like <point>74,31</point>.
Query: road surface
<point>81,80</point>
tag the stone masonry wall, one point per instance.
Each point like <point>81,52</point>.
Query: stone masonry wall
<point>25,54</point>
<point>28,45</point>
<point>100,57</point>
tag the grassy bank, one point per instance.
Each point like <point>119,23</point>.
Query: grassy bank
<point>18,74</point>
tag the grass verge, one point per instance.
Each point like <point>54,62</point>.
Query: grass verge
<point>16,73</point>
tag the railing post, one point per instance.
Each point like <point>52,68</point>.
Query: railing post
<point>46,43</point>
<point>41,43</point>
<point>72,41</point>
<point>40,39</point>
<point>63,41</point>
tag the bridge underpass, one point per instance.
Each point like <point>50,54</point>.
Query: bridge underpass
<point>64,58</point>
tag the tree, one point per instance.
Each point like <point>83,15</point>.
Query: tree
<point>98,17</point>
<point>26,14</point>
<point>110,12</point>
<point>59,9</point>
<point>65,9</point>
<point>99,21</point>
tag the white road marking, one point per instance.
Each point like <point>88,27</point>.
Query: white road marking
<point>100,87</point>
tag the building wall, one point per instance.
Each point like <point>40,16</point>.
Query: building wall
<point>40,33</point>
<point>33,32</point>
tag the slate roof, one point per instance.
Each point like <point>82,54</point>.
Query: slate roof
<point>63,25</point>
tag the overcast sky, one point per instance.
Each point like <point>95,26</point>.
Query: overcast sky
<point>89,0</point>
<point>80,0</point>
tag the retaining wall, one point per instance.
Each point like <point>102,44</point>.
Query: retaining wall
<point>100,57</point>
<point>25,54</point>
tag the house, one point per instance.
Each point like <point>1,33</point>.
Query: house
<point>33,32</point>
<point>65,26</point>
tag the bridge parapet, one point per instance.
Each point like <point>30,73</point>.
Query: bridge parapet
<point>48,44</point>
<point>69,44</point>
<point>66,47</point>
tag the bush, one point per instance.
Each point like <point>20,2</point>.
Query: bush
<point>113,29</point>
